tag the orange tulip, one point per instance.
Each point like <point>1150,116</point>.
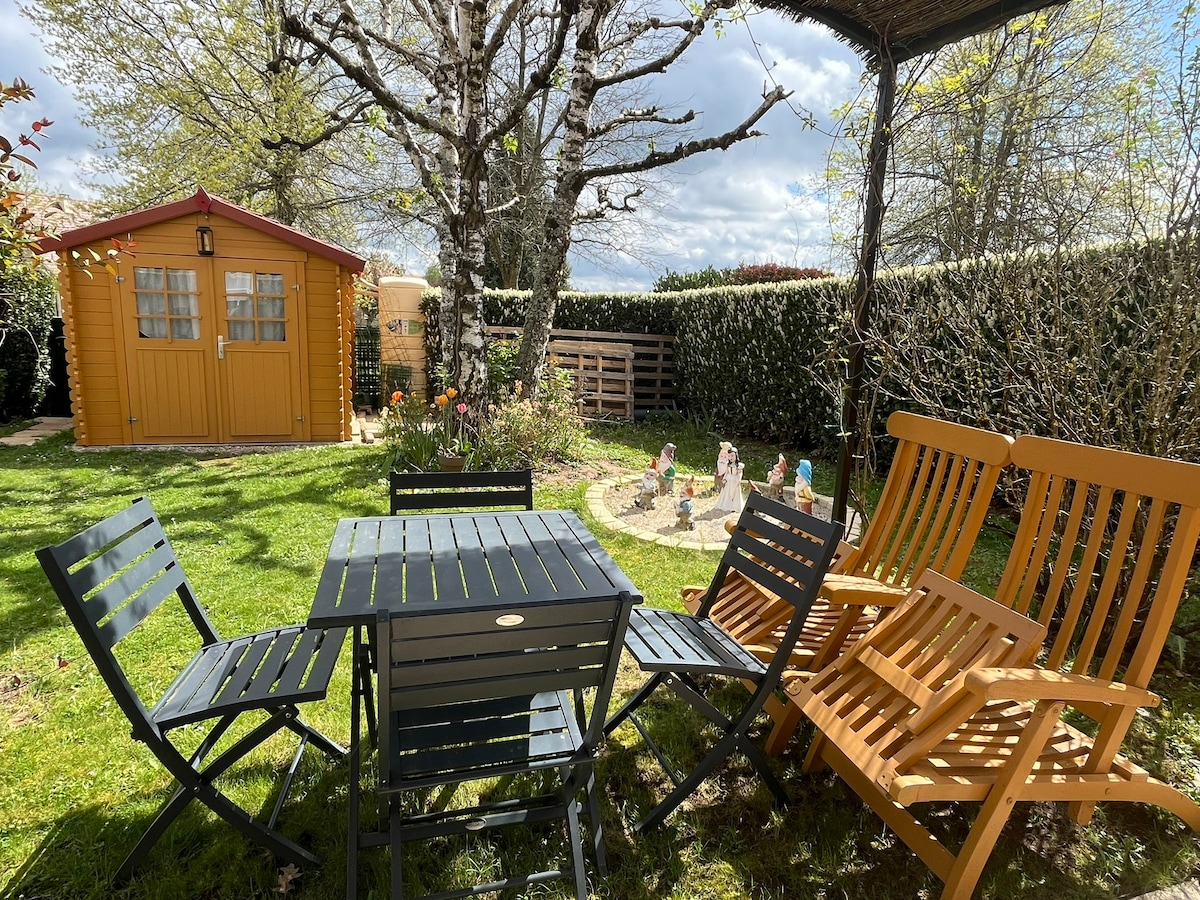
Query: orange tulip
<point>397,396</point>
<point>442,400</point>
<point>451,393</point>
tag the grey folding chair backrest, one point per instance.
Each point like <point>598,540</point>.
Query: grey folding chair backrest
<point>428,491</point>
<point>110,578</point>
<point>471,667</point>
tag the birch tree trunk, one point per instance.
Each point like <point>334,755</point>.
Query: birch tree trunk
<point>572,175</point>
<point>568,185</point>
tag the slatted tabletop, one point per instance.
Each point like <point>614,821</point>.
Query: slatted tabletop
<point>421,565</point>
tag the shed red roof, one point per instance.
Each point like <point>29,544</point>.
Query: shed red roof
<point>203,202</point>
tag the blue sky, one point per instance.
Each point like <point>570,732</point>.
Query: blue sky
<point>754,203</point>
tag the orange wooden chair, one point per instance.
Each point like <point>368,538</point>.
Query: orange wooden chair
<point>1100,559</point>
<point>937,493</point>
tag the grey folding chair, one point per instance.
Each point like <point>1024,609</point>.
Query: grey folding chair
<point>485,693</point>
<point>110,578</point>
<point>785,553</point>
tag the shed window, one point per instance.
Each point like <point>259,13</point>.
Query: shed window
<point>168,303</point>
<point>254,306</point>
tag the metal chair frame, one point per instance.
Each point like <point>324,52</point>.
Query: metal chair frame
<point>110,578</point>
<point>786,552</point>
<point>478,694</point>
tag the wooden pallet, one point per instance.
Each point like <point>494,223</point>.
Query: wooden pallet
<point>603,376</point>
<point>653,360</point>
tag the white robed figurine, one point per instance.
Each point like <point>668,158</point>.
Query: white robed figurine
<point>731,499</point>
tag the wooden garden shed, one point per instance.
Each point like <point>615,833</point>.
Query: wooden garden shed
<point>221,326</point>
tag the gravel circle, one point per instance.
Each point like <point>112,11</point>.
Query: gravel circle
<point>663,519</point>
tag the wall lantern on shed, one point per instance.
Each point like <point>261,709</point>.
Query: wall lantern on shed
<point>204,241</point>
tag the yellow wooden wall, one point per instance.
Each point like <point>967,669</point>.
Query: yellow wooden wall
<point>96,361</point>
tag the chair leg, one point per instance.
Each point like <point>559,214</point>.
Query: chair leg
<point>638,698</point>
<point>575,836</point>
<point>969,863</point>
<point>162,821</point>
<point>325,744</point>
<point>395,820</point>
<point>689,784</point>
<point>813,762</point>
<point>593,801</point>
<point>786,721</point>
<point>355,760</point>
<point>761,764</point>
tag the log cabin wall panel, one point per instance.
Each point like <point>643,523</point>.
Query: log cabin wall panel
<point>173,381</point>
<point>327,398</point>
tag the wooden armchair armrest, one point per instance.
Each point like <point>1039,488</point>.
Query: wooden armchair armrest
<point>858,590</point>
<point>1041,684</point>
<point>842,556</point>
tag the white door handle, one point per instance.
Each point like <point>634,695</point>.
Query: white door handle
<point>220,346</point>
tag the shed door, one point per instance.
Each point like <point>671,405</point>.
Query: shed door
<point>258,351</point>
<point>170,352</point>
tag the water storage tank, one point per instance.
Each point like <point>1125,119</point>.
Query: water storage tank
<point>402,334</point>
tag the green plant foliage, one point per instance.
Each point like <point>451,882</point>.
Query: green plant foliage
<point>417,434</point>
<point>1099,345</point>
<point>687,281</point>
<point>501,366</point>
<point>521,433</point>
<point>27,307</point>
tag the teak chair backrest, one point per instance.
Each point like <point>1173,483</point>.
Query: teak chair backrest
<point>934,501</point>
<point>911,669</point>
<point>1102,554</point>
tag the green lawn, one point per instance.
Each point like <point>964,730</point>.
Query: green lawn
<point>252,532</point>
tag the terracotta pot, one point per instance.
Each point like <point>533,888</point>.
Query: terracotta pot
<point>451,463</point>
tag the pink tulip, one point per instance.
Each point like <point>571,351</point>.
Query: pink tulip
<point>461,408</point>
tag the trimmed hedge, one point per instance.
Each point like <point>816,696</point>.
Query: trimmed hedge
<point>1100,345</point>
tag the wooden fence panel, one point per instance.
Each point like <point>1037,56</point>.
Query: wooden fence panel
<point>653,382</point>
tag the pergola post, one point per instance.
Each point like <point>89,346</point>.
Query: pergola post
<point>864,294</point>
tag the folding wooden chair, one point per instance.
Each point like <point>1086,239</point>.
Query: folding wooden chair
<point>1101,558</point>
<point>430,491</point>
<point>110,578</point>
<point>783,553</point>
<point>934,503</point>
<point>489,692</point>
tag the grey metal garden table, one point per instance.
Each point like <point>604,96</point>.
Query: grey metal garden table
<point>422,565</point>
<point>410,567</point>
<point>430,564</point>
